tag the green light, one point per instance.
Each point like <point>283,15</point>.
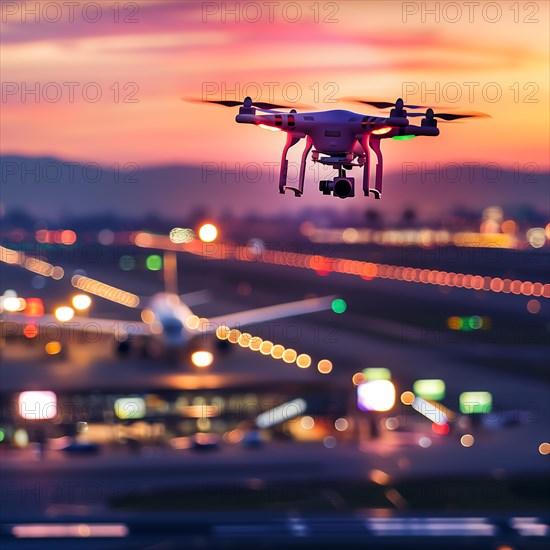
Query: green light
<point>475,402</point>
<point>429,389</point>
<point>2,435</point>
<point>154,263</point>
<point>475,322</point>
<point>339,305</point>
<point>127,263</point>
<point>378,373</point>
<point>402,138</point>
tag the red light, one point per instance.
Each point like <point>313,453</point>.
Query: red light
<point>34,307</point>
<point>440,429</point>
<point>30,331</point>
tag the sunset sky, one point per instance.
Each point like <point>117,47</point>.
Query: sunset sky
<point>374,50</point>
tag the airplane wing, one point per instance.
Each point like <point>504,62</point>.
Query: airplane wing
<point>84,325</point>
<point>270,313</point>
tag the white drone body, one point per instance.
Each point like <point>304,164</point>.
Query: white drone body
<point>341,139</point>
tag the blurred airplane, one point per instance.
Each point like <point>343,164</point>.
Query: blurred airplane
<point>168,323</point>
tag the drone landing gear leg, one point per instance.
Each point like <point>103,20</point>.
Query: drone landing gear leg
<point>300,190</point>
<point>375,146</point>
<point>290,142</point>
<point>366,167</point>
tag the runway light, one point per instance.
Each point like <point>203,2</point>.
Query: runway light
<point>303,361</point>
<point>52,348</point>
<point>339,305</point>
<point>307,422</point>
<point>255,343</point>
<point>277,351</point>
<point>64,314</point>
<point>358,378</point>
<point>34,308</point>
<point>154,262</point>
<point>82,302</point>
<point>37,405</point>
<point>440,429</point>
<point>30,331</point>
<point>208,233</point>
<point>290,355</point>
<point>179,235</point>
<point>376,395</point>
<point>430,389</point>
<point>202,359</point>
<point>129,408</point>
<point>544,448</point>
<point>407,398</point>
<point>467,440</point>
<point>222,332</point>
<point>324,366</point>
<point>265,348</point>
<point>475,402</point>
<point>341,424</point>
<point>377,373</point>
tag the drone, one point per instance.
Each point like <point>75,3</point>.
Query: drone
<point>341,139</point>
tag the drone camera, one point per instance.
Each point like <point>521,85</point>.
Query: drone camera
<point>339,187</point>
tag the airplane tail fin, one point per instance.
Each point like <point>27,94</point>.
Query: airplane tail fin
<point>170,272</point>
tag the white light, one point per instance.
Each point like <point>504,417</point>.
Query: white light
<point>376,395</point>
<point>282,413</point>
<point>129,408</point>
<point>208,233</point>
<point>64,314</point>
<point>266,127</point>
<point>202,359</point>
<point>37,405</point>
<point>82,302</point>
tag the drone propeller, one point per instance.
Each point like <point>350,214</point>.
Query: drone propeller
<point>386,104</point>
<point>260,105</point>
<point>448,116</point>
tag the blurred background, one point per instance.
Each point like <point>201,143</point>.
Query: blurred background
<point>190,358</point>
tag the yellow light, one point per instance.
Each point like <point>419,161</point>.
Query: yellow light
<point>202,359</point>
<point>289,356</point>
<point>544,448</point>
<point>255,343</point>
<point>222,332</point>
<point>266,346</point>
<point>53,348</point>
<point>147,316</point>
<point>324,366</point>
<point>208,233</point>
<point>303,361</point>
<point>82,302</point>
<point>277,351</point>
<point>64,314</point>
<point>467,440</point>
<point>244,339</point>
<point>192,322</point>
<point>358,378</point>
<point>381,131</point>
<point>234,335</point>
<point>407,398</point>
